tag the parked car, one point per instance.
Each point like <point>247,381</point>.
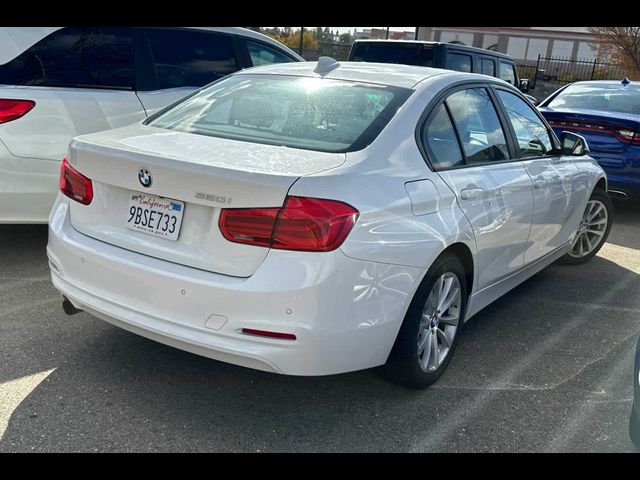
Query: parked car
<point>319,218</point>
<point>56,83</point>
<point>607,114</point>
<point>634,421</point>
<point>451,56</point>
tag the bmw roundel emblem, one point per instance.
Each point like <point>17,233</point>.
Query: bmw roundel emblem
<point>145,177</point>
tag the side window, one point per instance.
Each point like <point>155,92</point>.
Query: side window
<point>262,54</point>
<point>476,120</point>
<point>508,72</point>
<point>76,57</point>
<point>188,58</point>
<point>439,139</point>
<point>533,137</point>
<point>459,62</point>
<point>487,67</point>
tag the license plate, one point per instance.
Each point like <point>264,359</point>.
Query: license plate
<point>154,215</point>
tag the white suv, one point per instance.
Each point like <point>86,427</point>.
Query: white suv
<point>56,83</point>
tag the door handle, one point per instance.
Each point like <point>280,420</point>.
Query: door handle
<point>539,183</point>
<point>471,193</point>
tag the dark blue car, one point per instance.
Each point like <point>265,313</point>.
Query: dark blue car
<point>634,422</point>
<point>607,114</point>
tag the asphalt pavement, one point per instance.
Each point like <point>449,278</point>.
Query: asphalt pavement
<point>548,367</point>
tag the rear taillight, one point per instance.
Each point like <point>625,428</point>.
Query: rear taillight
<point>624,135</point>
<point>75,185</point>
<point>308,224</point>
<point>628,136</point>
<point>11,109</point>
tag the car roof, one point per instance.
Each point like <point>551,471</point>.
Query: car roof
<point>482,51</point>
<point>392,74</point>
<point>15,40</point>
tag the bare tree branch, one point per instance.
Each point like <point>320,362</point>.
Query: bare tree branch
<point>620,44</point>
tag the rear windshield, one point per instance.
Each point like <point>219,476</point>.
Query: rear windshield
<point>608,98</point>
<point>403,53</point>
<point>300,112</point>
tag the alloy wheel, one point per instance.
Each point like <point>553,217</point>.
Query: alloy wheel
<point>439,322</point>
<point>591,230</point>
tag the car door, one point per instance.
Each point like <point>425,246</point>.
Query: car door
<point>174,62</point>
<point>467,145</point>
<point>556,196</point>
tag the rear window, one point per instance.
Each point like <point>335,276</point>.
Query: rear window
<point>608,98</point>
<point>299,112</point>
<point>403,53</point>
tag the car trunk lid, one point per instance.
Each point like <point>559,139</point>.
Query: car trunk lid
<point>205,173</point>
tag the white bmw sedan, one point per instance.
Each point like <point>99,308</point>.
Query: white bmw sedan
<point>318,218</point>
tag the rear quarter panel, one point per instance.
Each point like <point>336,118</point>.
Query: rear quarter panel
<point>389,228</point>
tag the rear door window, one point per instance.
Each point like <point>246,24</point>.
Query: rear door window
<point>459,62</point>
<point>262,54</point>
<point>487,67</point>
<point>190,58</point>
<point>476,120</point>
<point>99,57</point>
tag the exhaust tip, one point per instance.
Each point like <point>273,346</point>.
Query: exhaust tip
<point>68,307</point>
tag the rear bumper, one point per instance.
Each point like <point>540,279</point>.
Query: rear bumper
<point>345,313</point>
<point>623,172</point>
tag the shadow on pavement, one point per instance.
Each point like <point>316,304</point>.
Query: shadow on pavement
<point>114,391</point>
<point>625,231</point>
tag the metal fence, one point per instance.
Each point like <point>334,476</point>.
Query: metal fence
<point>565,70</point>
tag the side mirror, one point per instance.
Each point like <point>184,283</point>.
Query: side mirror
<point>524,85</point>
<point>573,144</point>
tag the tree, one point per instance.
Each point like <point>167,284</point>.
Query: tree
<point>345,38</point>
<point>292,40</point>
<point>620,45</point>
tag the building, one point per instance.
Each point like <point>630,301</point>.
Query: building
<point>381,33</point>
<point>521,43</point>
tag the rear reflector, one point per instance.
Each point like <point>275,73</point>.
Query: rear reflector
<point>304,224</point>
<point>11,109</point>
<point>75,185</point>
<point>264,333</point>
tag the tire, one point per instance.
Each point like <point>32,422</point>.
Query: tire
<point>407,364</point>
<point>634,426</point>
<point>580,252</point>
